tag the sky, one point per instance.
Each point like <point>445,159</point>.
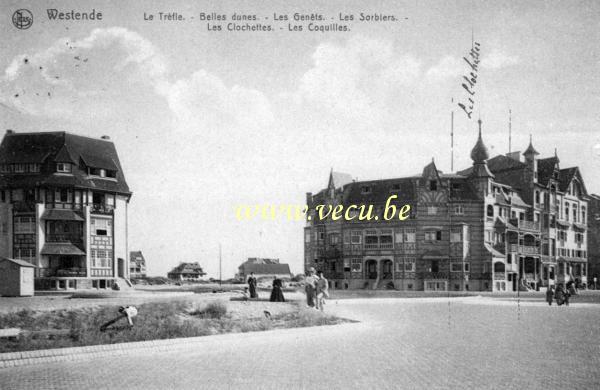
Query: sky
<point>204,121</point>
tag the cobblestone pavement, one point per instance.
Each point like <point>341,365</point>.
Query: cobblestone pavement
<point>433,343</point>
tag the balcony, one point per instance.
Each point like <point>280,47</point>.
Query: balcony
<point>98,208</point>
<point>64,238</point>
<point>525,225</point>
<point>529,250</point>
<point>434,275</point>
<point>77,272</point>
<point>525,249</point>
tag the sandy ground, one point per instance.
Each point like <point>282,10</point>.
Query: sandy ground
<point>60,302</point>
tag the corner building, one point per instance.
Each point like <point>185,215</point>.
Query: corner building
<point>501,225</point>
<point>63,208</point>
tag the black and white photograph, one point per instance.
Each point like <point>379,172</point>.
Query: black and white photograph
<point>390,194</point>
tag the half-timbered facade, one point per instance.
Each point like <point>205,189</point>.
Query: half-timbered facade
<point>63,208</point>
<point>501,225</point>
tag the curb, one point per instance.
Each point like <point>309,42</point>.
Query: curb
<point>27,358</point>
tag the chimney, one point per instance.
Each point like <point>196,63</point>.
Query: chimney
<point>515,155</point>
<point>9,132</point>
<point>308,197</point>
<point>106,137</point>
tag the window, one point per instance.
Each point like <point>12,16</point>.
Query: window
<point>409,265</point>
<point>307,236</point>
<point>356,237</point>
<point>537,198</point>
<point>432,210</point>
<point>24,225</point>
<point>346,265</point>
<point>356,265</point>
<point>575,213</point>
<point>63,167</point>
<point>101,258</point>
<point>458,267</point>
<point>458,209</point>
<point>395,187</point>
<point>334,238</point>
<point>371,239</point>
<point>490,210</point>
<point>583,219</point>
<point>410,235</point>
<point>433,235</point>
<point>435,266</point>
<point>386,239</point>
<point>566,211</point>
<point>455,236</point>
<point>433,185</point>
<point>365,189</point>
<point>399,236</point>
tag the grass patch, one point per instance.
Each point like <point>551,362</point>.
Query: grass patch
<point>155,320</point>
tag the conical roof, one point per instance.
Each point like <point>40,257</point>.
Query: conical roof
<point>479,153</point>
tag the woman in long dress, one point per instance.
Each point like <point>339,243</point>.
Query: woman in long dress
<point>277,293</point>
<point>252,285</point>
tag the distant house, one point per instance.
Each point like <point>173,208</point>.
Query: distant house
<point>263,269</point>
<point>137,265</point>
<point>186,271</point>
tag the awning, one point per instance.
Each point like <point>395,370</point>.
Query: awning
<point>563,223</point>
<point>61,215</point>
<point>63,248</point>
<point>494,252</point>
<point>580,226</point>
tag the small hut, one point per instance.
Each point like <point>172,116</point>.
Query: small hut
<point>16,278</point>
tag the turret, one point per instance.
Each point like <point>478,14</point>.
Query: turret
<point>480,174</point>
<point>530,160</point>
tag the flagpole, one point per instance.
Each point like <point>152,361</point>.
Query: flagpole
<point>452,137</point>
<point>220,277</point>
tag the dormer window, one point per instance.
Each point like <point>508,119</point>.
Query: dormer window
<point>365,189</point>
<point>395,187</point>
<point>63,167</point>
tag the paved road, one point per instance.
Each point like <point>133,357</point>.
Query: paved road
<point>473,343</point>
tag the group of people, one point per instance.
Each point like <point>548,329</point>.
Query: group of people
<point>276,292</point>
<point>562,294</point>
<point>317,289</point>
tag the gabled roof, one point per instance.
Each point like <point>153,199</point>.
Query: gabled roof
<point>338,179</point>
<point>567,175</point>
<point>545,168</point>
<point>188,268</point>
<point>134,255</point>
<point>53,147</point>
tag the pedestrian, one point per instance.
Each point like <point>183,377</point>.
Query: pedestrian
<point>252,285</point>
<point>559,295</point>
<point>550,295</point>
<point>322,290</point>
<point>310,286</point>
<point>277,293</point>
